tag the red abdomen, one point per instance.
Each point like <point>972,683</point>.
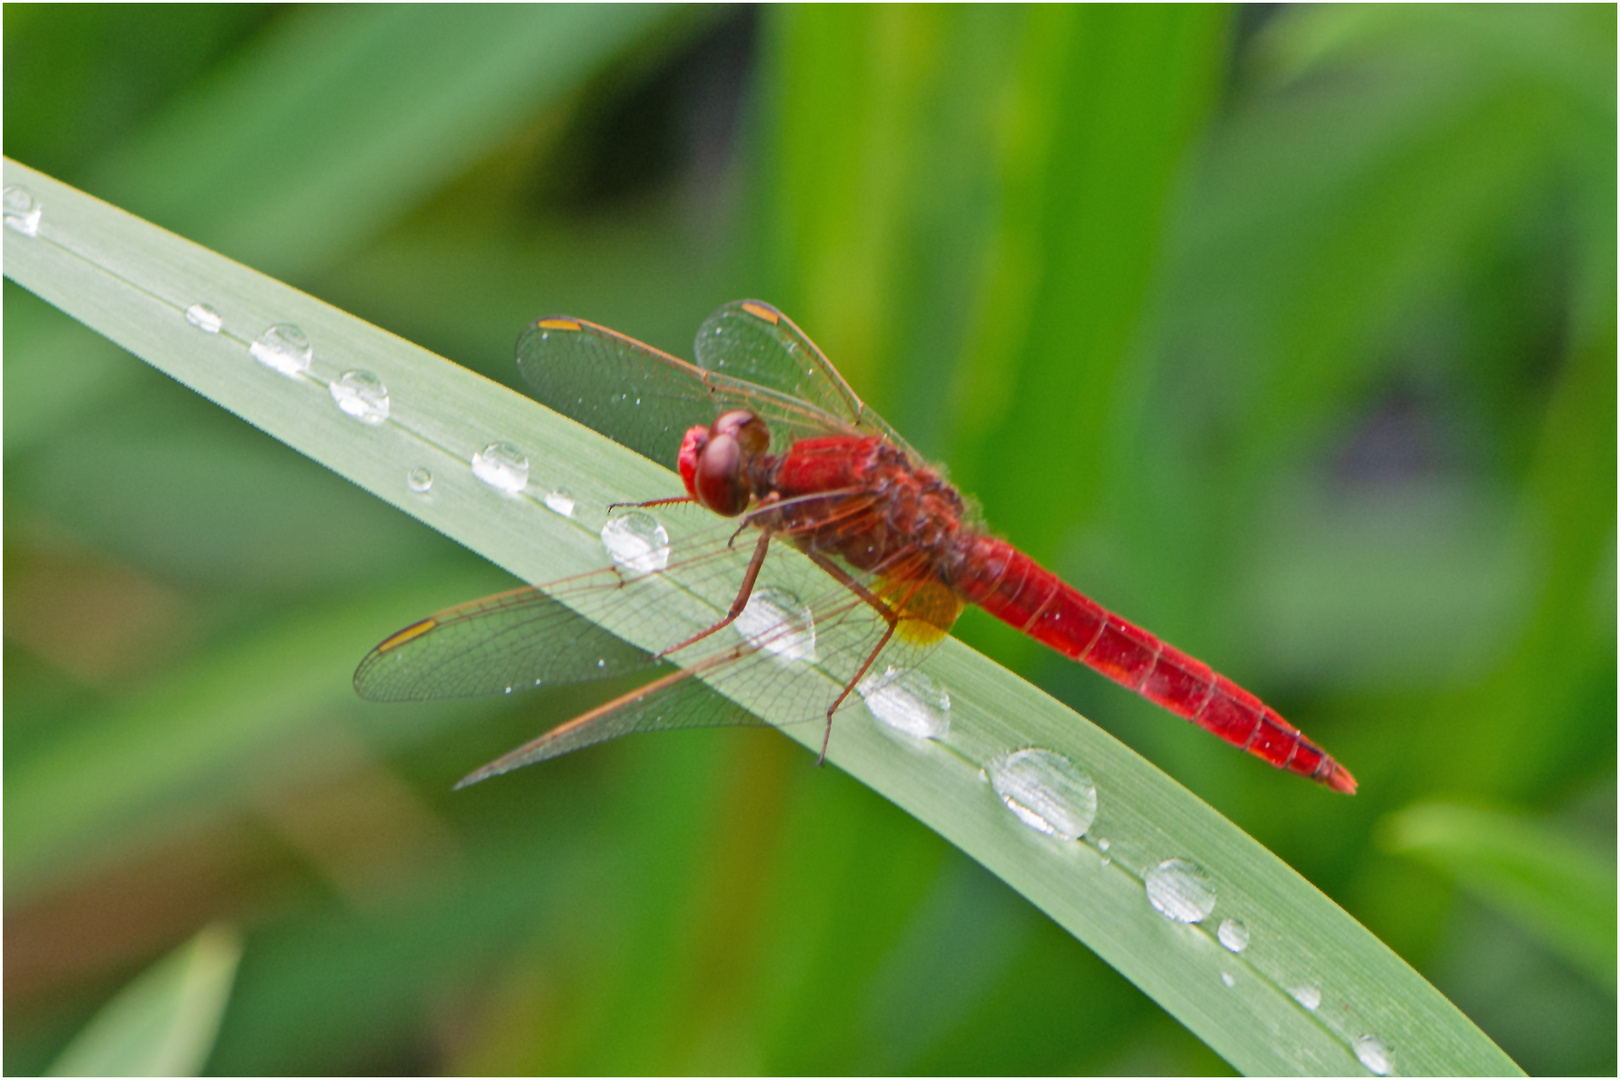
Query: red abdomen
<point>1015,589</point>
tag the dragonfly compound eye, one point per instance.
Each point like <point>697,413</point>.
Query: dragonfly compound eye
<point>720,480</point>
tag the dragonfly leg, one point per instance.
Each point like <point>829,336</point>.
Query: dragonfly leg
<point>889,617</point>
<point>744,591</point>
<point>750,518</point>
<point>673,500</point>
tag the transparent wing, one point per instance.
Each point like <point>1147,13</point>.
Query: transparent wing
<point>511,641</point>
<point>752,341</point>
<point>787,656</point>
<point>632,393</point>
<point>646,399</point>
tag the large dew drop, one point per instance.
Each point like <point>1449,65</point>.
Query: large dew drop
<point>636,541</point>
<point>1180,889</point>
<point>778,622</point>
<point>284,348</point>
<point>362,395</point>
<point>908,701</point>
<point>1046,791</point>
<point>1375,1054</point>
<point>503,467</point>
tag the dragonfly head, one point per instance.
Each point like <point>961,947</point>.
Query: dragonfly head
<point>714,460</point>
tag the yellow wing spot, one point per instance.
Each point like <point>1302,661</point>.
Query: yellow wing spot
<point>760,311</point>
<point>411,632</point>
<point>558,324</point>
<point>927,611</point>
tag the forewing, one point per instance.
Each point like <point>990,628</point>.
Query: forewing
<point>751,341</point>
<point>632,393</point>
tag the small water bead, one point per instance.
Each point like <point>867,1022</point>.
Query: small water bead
<point>284,348</point>
<point>636,541</point>
<point>1375,1054</point>
<point>1181,890</point>
<point>22,213</point>
<point>560,501</point>
<point>362,395</point>
<point>1233,935</point>
<point>204,318</point>
<point>1046,791</point>
<point>1308,995</point>
<point>419,480</point>
<point>909,702</point>
<point>778,622</point>
<point>1227,980</point>
<point>503,467</point>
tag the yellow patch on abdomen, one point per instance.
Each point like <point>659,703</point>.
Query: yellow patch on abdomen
<point>927,610</point>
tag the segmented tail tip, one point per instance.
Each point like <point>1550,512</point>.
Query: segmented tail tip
<point>1340,780</point>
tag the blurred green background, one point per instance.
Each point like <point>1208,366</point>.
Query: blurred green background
<point>1289,333</point>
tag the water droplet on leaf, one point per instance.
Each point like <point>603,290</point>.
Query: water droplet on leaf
<point>502,466</point>
<point>1180,889</point>
<point>778,622</point>
<point>561,501</point>
<point>22,213</point>
<point>908,701</point>
<point>1046,791</point>
<point>362,395</point>
<point>284,348</point>
<point>1372,1052</point>
<point>636,541</point>
<point>204,318</point>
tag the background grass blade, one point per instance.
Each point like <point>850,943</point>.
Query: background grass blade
<point>1563,891</point>
<point>163,1023</point>
<point>133,282</point>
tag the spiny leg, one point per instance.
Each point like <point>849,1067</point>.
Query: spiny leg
<point>673,500</point>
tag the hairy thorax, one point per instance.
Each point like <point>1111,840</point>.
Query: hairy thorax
<point>879,510</point>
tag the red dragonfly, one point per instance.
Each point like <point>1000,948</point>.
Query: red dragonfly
<point>766,433</point>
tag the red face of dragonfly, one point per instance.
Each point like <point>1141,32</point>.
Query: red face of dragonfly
<point>763,428</point>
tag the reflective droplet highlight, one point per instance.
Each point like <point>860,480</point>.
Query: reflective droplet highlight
<point>636,541</point>
<point>284,348</point>
<point>1372,1052</point>
<point>503,467</point>
<point>419,480</point>
<point>560,501</point>
<point>1233,935</point>
<point>1046,791</point>
<point>1180,889</point>
<point>362,395</point>
<point>204,318</point>
<point>1227,980</point>
<point>908,701</point>
<point>1308,995</point>
<point>778,622</point>
<point>22,213</point>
